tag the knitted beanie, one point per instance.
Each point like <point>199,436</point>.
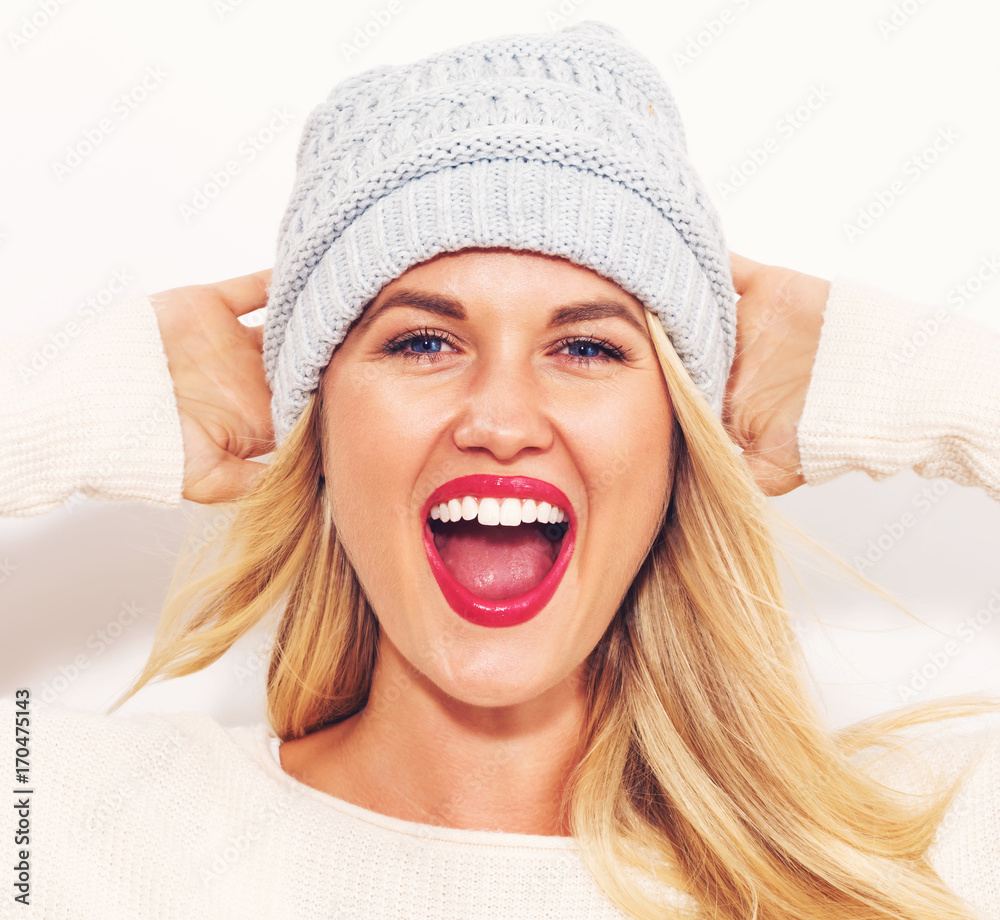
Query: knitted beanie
<point>566,143</point>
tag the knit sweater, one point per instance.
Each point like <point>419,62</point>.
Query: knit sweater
<point>176,816</point>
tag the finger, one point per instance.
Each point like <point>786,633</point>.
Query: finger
<point>743,270</point>
<point>245,294</point>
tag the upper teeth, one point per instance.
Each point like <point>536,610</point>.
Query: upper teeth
<point>492,511</point>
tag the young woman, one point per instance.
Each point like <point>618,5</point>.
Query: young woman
<point>531,657</point>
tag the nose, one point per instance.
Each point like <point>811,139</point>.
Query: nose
<point>503,412</point>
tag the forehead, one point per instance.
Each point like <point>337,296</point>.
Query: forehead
<point>501,276</point>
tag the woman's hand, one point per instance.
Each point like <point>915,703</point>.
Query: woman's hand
<point>779,317</point>
<point>218,372</point>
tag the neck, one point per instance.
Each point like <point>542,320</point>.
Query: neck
<point>416,754</point>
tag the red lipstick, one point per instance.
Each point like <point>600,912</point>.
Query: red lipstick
<point>515,610</point>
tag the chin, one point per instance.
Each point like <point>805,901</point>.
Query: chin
<point>485,678</point>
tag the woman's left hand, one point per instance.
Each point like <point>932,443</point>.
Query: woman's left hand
<point>779,318</point>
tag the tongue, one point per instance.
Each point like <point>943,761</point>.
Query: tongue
<point>495,563</point>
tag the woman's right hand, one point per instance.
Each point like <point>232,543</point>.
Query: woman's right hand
<point>222,393</point>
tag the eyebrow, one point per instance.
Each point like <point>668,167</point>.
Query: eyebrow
<point>576,312</point>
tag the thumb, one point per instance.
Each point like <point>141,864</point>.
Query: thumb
<point>241,475</point>
<point>231,478</point>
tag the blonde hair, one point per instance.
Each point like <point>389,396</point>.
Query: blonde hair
<point>707,767</point>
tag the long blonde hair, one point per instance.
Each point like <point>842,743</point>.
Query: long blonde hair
<point>706,769</point>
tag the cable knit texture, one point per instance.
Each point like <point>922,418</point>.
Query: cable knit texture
<point>174,816</point>
<point>565,143</point>
<point>89,407</point>
<point>899,385</point>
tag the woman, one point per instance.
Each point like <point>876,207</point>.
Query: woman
<point>531,657</point>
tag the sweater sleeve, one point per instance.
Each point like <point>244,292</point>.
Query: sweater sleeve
<point>89,407</point>
<point>897,385</point>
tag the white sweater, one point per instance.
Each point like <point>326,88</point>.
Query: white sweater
<point>176,816</point>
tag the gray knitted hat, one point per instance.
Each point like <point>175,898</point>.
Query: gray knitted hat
<point>566,143</point>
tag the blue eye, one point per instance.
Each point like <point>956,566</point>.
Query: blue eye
<point>425,342</point>
<point>425,345</point>
<point>588,345</point>
<point>595,349</point>
<point>428,343</point>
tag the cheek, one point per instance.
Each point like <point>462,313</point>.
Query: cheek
<point>362,427</point>
<point>629,446</point>
<point>626,465</point>
<point>361,459</point>
<point>375,446</point>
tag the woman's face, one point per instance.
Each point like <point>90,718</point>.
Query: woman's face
<point>539,377</point>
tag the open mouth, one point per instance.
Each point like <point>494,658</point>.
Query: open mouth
<point>496,563</point>
<point>499,557</point>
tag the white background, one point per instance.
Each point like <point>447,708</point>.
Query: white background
<point>891,77</point>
